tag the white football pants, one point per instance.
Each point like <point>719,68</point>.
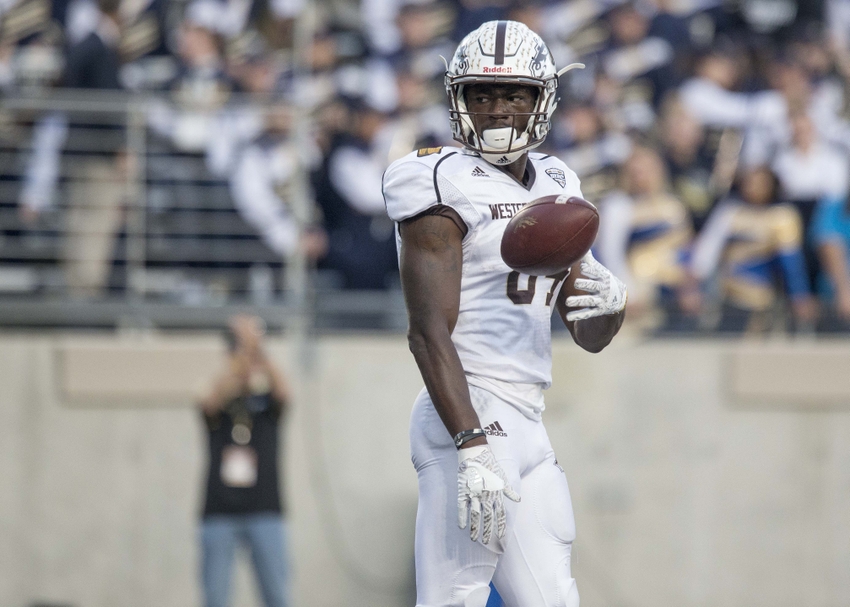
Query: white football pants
<point>530,566</point>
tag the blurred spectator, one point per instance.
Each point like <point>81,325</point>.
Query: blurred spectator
<point>255,73</point>
<point>710,97</point>
<point>808,170</point>
<point>334,68</point>
<point>202,85</point>
<point>41,173</point>
<point>472,13</point>
<point>261,189</point>
<point>348,189</point>
<point>242,505</point>
<point>684,25</point>
<point>95,62</point>
<point>645,236</point>
<point>30,39</point>
<point>403,26</point>
<point>148,62</point>
<point>198,134</point>
<point>379,22</point>
<point>800,84</point>
<point>829,97</point>
<point>143,29</point>
<point>570,28</point>
<point>98,183</point>
<point>831,235</point>
<point>838,31</point>
<point>408,82</point>
<point>756,247</point>
<point>767,21</point>
<point>273,19</point>
<point>405,78</point>
<point>142,36</point>
<point>594,154</point>
<point>637,64</point>
<point>689,162</point>
<point>769,129</point>
<point>424,28</point>
<point>418,118</point>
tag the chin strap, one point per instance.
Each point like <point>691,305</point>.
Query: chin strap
<point>494,144</point>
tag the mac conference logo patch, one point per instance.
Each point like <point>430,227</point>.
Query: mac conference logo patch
<point>558,176</point>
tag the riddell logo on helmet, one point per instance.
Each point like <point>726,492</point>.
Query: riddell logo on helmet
<point>498,70</point>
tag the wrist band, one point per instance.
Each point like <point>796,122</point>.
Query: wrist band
<point>467,435</point>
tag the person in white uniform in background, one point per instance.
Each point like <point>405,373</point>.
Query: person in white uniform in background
<point>480,333</point>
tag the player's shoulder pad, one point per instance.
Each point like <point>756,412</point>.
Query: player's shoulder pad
<point>429,156</point>
<point>555,169</point>
<point>410,183</point>
<point>439,151</point>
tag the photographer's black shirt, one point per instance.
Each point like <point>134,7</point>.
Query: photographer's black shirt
<point>243,478</point>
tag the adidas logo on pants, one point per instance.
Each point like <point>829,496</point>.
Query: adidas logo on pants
<point>495,429</point>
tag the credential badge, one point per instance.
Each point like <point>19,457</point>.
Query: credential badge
<point>558,176</point>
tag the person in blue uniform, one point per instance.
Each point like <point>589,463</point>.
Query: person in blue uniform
<point>754,245</point>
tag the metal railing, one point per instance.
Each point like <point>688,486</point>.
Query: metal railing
<point>130,230</point>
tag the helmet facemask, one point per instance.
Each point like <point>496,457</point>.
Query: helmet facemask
<point>501,146</point>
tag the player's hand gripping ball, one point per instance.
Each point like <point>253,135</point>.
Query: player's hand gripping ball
<point>595,292</point>
<point>549,234</point>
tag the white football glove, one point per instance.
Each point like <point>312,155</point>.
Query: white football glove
<point>480,485</point>
<point>607,292</point>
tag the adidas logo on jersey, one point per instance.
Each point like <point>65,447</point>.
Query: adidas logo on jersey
<point>495,429</point>
<point>479,172</point>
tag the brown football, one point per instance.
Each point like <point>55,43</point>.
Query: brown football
<point>549,234</point>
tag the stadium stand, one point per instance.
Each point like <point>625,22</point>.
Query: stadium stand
<point>215,197</point>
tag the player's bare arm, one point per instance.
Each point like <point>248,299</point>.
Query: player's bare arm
<point>430,264</point>
<point>592,333</point>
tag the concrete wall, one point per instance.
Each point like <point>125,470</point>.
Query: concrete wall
<point>702,474</point>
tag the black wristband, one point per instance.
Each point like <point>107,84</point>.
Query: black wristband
<point>465,436</point>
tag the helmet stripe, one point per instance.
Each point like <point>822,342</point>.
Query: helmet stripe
<point>501,28</point>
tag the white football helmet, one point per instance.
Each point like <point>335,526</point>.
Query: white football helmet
<point>503,52</point>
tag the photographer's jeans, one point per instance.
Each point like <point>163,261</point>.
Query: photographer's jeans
<point>264,535</point>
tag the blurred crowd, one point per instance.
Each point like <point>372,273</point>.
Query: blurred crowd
<point>714,135</point>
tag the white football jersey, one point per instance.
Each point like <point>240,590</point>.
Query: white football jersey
<point>503,333</point>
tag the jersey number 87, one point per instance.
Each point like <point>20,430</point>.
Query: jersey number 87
<point>526,296</point>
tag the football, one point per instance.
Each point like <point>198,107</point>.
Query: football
<point>549,234</point>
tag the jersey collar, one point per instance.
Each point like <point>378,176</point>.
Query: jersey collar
<point>529,170</point>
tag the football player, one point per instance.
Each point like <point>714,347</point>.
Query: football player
<point>480,333</point>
